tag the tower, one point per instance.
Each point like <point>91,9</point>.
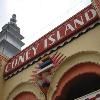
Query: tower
<point>10,38</point>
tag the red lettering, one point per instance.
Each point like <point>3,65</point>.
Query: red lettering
<point>8,67</point>
<point>54,37</point>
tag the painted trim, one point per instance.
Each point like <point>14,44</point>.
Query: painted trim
<point>26,87</point>
<point>79,69</point>
<point>80,57</point>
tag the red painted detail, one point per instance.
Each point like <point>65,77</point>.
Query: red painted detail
<point>58,35</point>
<point>97,2</point>
<point>58,59</point>
<point>25,96</point>
<point>73,72</point>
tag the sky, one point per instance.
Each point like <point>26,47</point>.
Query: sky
<point>37,17</point>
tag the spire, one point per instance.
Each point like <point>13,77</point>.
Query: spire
<point>13,19</point>
<point>10,38</point>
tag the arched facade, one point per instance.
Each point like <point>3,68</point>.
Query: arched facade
<point>84,71</point>
<point>58,64</point>
<point>81,66</point>
<point>26,91</point>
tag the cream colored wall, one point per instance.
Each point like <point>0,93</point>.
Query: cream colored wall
<point>90,41</point>
<point>21,78</point>
<point>29,87</point>
<point>81,57</point>
<point>84,49</point>
<point>3,61</point>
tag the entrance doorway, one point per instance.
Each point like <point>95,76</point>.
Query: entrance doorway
<point>80,86</point>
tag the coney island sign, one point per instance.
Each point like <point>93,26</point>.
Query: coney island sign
<point>58,35</point>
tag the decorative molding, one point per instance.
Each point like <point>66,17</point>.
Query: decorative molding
<point>26,87</point>
<point>90,56</point>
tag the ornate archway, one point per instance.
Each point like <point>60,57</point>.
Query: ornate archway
<point>25,96</point>
<point>26,91</point>
<point>81,79</point>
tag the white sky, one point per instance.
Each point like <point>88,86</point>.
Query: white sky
<point>37,17</point>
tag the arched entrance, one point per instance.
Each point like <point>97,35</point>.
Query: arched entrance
<point>25,96</point>
<point>78,81</point>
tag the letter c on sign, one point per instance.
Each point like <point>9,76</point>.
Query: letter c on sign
<point>8,67</point>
